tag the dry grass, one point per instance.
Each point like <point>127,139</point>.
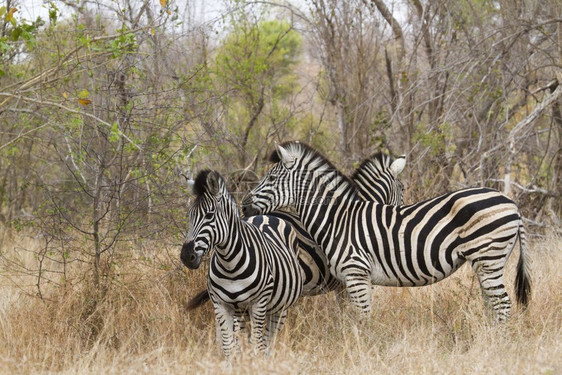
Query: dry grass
<point>140,326</point>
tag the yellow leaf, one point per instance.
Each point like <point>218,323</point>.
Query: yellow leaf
<point>84,102</point>
<point>152,31</point>
<point>163,3</point>
<point>65,95</point>
<point>10,14</point>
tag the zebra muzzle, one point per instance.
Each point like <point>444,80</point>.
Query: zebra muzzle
<point>248,206</point>
<point>248,209</point>
<point>189,256</point>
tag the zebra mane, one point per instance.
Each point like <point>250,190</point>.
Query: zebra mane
<point>304,150</point>
<point>200,186</point>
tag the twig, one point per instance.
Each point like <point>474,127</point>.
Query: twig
<point>21,135</point>
<point>68,109</point>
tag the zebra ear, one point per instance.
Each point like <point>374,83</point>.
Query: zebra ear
<point>286,158</point>
<point>191,185</point>
<point>398,165</point>
<point>213,183</point>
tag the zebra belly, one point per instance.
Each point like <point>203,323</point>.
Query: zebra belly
<point>395,270</point>
<point>379,277</point>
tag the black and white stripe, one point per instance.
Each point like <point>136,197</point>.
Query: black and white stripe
<point>377,180</point>
<point>253,269</point>
<point>368,243</point>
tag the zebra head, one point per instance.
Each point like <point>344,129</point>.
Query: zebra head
<point>208,221</point>
<point>265,197</point>
<point>377,179</point>
<point>301,176</point>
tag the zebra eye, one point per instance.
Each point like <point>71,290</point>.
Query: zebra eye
<point>209,215</point>
<point>271,178</point>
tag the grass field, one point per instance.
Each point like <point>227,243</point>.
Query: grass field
<point>140,325</point>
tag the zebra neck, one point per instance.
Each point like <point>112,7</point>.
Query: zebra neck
<point>319,208</point>
<point>319,220</point>
<point>324,187</point>
<point>229,250</point>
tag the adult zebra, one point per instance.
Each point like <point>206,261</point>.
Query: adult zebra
<point>253,269</point>
<point>412,245</point>
<point>377,180</point>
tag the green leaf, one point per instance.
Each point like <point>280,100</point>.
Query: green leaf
<point>115,134</point>
<point>13,150</point>
<point>83,94</point>
<point>16,32</point>
<point>53,13</point>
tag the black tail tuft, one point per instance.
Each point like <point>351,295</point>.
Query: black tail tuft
<point>197,301</point>
<point>522,279</point>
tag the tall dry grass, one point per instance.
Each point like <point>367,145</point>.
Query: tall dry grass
<point>140,326</point>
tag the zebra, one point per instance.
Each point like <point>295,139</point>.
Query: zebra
<point>253,269</point>
<point>377,180</point>
<point>368,243</point>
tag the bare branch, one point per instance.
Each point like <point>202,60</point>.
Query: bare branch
<point>396,28</point>
<point>70,110</point>
<point>550,99</point>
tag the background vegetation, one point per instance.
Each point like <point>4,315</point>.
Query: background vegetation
<point>105,104</point>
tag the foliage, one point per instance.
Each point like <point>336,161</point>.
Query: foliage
<point>255,55</point>
<point>15,31</point>
<point>248,80</point>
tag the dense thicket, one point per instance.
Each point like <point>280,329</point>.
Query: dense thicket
<point>105,104</point>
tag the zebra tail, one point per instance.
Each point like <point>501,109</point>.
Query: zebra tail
<point>198,301</point>
<point>522,278</point>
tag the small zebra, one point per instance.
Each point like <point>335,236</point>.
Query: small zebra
<point>253,269</point>
<point>377,180</point>
<point>367,243</point>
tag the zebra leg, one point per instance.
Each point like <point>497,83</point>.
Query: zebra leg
<point>358,287</point>
<point>490,276</point>
<point>224,320</point>
<point>240,326</point>
<point>274,323</point>
<point>257,320</point>
<point>240,323</point>
<point>237,324</point>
